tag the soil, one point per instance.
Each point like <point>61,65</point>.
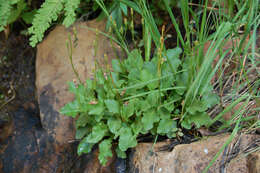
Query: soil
<point>19,113</point>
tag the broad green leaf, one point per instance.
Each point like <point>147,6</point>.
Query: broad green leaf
<point>166,125</point>
<point>153,98</point>
<point>134,76</point>
<point>137,126</point>
<point>132,5</point>
<point>98,132</point>
<point>84,146</point>
<point>109,94</point>
<point>134,60</point>
<point>148,119</point>
<point>113,106</point>
<point>206,88</point>
<point>123,8</point>
<point>79,92</point>
<point>82,131</point>
<point>116,65</point>
<point>126,139</point>
<point>169,105</point>
<point>200,119</point>
<point>82,120</point>
<point>146,77</point>
<point>72,87</point>
<point>100,78</point>
<point>117,15</point>
<point>170,79</point>
<point>28,16</point>
<point>101,93</point>
<point>16,11</point>
<point>128,110</point>
<point>71,109</point>
<point>182,80</point>
<point>136,56</point>
<point>177,111</point>
<point>116,81</point>
<point>144,105</point>
<point>186,124</point>
<point>105,151</point>
<point>164,113</point>
<point>171,134</point>
<point>151,67</point>
<point>174,97</point>
<point>114,124</point>
<point>210,100</point>
<point>14,1</point>
<point>90,84</point>
<point>173,57</point>
<point>96,109</point>
<point>99,117</point>
<point>196,106</point>
<point>120,153</point>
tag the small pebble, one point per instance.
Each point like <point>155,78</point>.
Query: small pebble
<point>206,151</point>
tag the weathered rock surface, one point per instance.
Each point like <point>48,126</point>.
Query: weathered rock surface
<point>194,157</point>
<point>45,143</point>
<point>54,70</point>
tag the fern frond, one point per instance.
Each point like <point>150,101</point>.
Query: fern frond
<point>48,13</point>
<point>5,12</point>
<point>70,7</point>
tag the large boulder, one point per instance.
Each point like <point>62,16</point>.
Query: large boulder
<point>194,157</point>
<point>45,144</point>
<point>53,72</point>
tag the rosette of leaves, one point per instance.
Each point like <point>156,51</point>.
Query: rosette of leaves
<point>132,99</point>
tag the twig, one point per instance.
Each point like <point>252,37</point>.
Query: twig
<point>8,101</point>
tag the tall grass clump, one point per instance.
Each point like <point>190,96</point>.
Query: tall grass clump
<point>165,90</point>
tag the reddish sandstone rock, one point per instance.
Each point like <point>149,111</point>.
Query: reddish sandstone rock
<point>194,157</point>
<point>54,71</point>
<point>30,144</point>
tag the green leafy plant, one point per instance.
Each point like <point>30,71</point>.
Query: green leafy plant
<point>12,10</point>
<point>116,10</point>
<point>40,19</point>
<point>52,10</point>
<point>158,96</point>
<point>5,12</point>
<point>136,97</point>
<point>48,13</point>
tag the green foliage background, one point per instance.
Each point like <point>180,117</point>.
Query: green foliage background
<point>165,93</point>
<point>135,98</point>
<point>49,12</point>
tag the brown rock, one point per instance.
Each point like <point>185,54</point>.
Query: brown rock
<point>42,144</point>
<point>54,70</point>
<point>194,157</point>
<point>31,144</point>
